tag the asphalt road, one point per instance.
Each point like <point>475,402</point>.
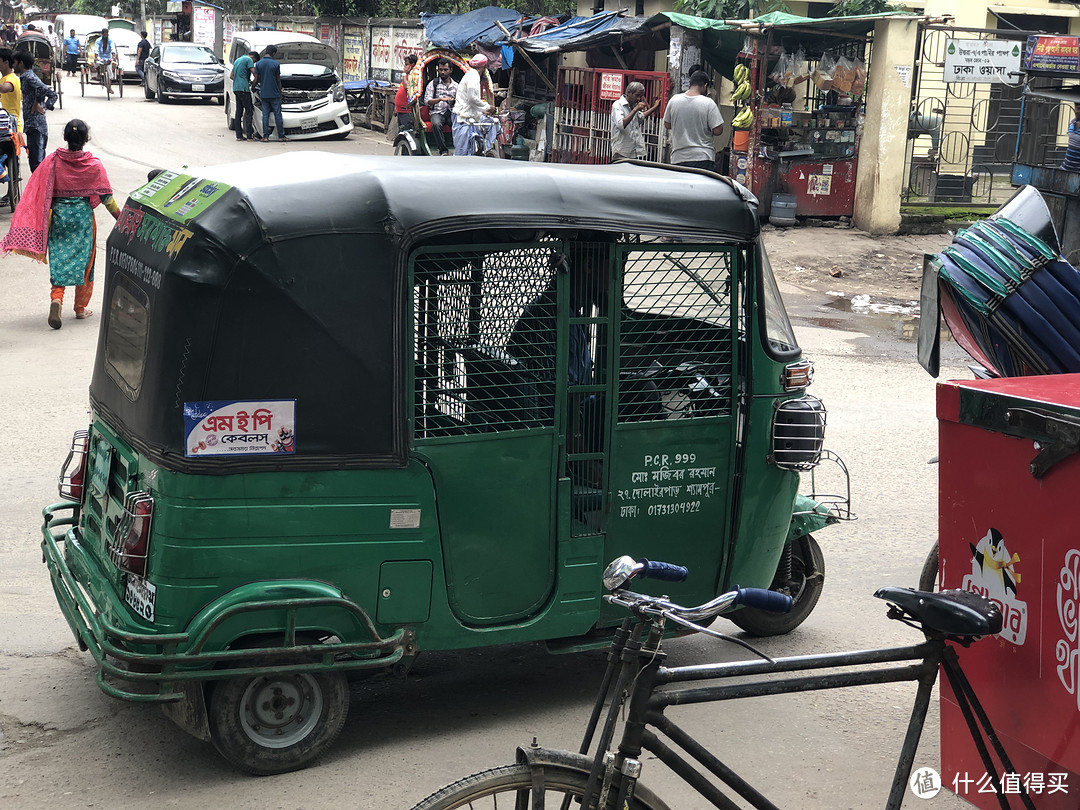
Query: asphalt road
<point>65,744</point>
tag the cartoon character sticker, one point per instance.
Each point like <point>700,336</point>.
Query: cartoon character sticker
<point>994,576</point>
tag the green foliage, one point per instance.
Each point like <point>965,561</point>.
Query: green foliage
<point>729,9</point>
<point>854,8</point>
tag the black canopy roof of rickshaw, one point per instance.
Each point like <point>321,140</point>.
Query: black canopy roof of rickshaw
<point>318,191</point>
<point>289,284</point>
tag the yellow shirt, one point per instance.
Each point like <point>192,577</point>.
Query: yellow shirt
<point>12,102</point>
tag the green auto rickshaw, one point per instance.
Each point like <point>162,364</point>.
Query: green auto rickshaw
<point>348,409</point>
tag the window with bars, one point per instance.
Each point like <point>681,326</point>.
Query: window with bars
<point>676,334</point>
<point>486,331</point>
<point>484,324</point>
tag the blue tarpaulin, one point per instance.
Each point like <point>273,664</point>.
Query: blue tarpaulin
<point>580,33</point>
<point>459,31</point>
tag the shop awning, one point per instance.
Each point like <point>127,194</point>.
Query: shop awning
<point>582,33</point>
<point>459,31</point>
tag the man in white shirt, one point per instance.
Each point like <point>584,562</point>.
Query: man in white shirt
<point>469,108</point>
<point>627,116</point>
<point>694,119</point>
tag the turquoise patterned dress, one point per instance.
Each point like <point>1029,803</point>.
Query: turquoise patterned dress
<point>72,241</point>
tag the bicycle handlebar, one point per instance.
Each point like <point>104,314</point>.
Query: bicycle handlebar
<point>667,572</point>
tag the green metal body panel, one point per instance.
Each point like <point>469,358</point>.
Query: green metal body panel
<point>478,503</point>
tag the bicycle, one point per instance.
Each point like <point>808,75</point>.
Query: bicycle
<point>479,139</point>
<point>637,682</point>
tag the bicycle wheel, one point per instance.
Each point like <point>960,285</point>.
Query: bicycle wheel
<point>502,787</point>
<point>928,577</point>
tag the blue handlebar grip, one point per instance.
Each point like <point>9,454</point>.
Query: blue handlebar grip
<point>764,600</point>
<point>664,571</point>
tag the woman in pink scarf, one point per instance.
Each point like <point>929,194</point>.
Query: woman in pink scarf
<point>54,221</point>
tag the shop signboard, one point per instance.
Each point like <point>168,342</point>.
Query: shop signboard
<point>611,86</point>
<point>202,26</point>
<point>982,60</point>
<point>406,41</point>
<point>354,67</point>
<point>1060,55</point>
<point>381,37</point>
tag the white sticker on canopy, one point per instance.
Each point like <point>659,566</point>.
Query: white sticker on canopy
<point>239,427</point>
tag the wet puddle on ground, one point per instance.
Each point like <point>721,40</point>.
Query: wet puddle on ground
<point>900,320</point>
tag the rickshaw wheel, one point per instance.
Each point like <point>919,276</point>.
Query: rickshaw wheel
<point>928,577</point>
<point>805,591</point>
<point>268,724</point>
<point>403,149</point>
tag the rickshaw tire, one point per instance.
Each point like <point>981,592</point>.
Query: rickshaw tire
<point>928,577</point>
<point>403,150</point>
<point>758,622</point>
<point>226,709</point>
<point>509,781</point>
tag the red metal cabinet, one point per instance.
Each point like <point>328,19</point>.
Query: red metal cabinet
<point>1015,538</point>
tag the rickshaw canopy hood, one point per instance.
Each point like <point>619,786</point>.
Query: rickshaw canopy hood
<point>284,279</point>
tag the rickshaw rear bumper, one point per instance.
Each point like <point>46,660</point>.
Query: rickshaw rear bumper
<point>149,667</point>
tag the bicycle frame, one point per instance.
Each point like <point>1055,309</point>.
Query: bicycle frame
<point>640,665</point>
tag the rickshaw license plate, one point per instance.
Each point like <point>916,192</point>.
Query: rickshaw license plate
<point>309,123</point>
<point>198,88</point>
<point>141,595</point>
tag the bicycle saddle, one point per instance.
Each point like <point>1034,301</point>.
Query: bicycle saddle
<point>954,613</point>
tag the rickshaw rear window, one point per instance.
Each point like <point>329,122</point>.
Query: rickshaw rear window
<point>779,336</point>
<point>125,336</point>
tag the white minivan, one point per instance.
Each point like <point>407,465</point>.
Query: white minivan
<point>84,25</point>
<point>313,101</point>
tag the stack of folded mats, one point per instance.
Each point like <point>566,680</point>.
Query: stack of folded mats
<point>1010,300</point>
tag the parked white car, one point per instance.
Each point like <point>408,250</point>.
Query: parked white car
<point>313,103</point>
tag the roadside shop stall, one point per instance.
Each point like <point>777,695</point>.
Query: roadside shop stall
<point>799,88</point>
<point>1051,69</point>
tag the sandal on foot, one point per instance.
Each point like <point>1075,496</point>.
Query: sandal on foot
<point>54,315</point>
<point>82,316</point>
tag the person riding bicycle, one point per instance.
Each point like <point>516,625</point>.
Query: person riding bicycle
<point>470,108</point>
<point>104,52</point>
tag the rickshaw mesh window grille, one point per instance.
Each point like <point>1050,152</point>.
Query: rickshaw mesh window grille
<point>676,335</point>
<point>479,365</point>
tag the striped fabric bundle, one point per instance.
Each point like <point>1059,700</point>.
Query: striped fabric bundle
<point>1010,300</point>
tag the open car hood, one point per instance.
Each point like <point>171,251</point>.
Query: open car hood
<point>306,53</point>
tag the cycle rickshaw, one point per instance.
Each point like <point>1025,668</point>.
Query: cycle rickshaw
<point>107,75</point>
<point>419,140</point>
<point>48,64</point>
<point>445,392</point>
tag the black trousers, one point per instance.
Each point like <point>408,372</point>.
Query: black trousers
<point>244,111</point>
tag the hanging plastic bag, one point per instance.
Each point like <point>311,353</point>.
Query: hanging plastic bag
<point>843,75</point>
<point>822,76</point>
<point>800,70</point>
<point>858,84</point>
<point>782,73</point>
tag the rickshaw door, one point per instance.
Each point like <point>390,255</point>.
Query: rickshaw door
<point>485,421</point>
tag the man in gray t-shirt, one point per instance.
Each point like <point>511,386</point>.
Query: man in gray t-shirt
<point>694,119</point>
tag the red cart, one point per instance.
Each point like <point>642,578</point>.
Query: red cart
<point>1009,488</point>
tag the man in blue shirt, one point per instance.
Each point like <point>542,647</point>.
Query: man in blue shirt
<point>1071,163</point>
<point>142,50</point>
<point>104,52</point>
<point>71,53</point>
<point>268,80</point>
<point>36,99</point>
<point>241,85</point>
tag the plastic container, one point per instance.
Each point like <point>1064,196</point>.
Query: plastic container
<point>519,151</point>
<point>782,210</point>
<point>740,140</point>
<point>785,115</point>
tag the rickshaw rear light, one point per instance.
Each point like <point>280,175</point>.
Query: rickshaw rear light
<point>798,433</point>
<point>73,472</point>
<point>130,542</point>
<point>798,375</point>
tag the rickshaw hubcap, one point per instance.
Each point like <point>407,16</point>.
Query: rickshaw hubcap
<point>280,711</point>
